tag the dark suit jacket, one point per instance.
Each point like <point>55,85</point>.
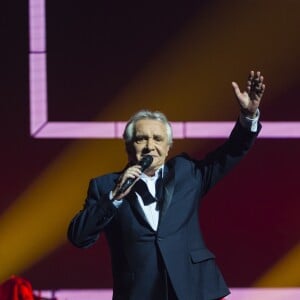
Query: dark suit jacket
<point>142,257</point>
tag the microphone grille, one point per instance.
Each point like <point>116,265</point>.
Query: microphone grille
<point>145,162</point>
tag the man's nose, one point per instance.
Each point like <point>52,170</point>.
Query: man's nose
<point>150,144</point>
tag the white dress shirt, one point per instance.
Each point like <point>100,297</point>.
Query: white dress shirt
<point>151,210</point>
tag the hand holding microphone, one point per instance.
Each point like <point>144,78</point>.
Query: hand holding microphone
<point>131,175</point>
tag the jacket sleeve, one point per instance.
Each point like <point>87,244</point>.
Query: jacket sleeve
<point>219,162</point>
<point>98,211</point>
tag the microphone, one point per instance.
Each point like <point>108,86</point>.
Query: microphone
<point>145,163</point>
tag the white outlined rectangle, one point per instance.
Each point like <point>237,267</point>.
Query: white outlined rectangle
<point>236,294</point>
<point>41,127</point>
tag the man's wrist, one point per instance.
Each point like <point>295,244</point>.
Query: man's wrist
<point>115,202</point>
<point>250,123</point>
<point>247,114</point>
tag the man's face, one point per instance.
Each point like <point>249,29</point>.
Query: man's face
<point>150,139</point>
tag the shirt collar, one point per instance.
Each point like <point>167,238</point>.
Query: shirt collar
<point>151,178</point>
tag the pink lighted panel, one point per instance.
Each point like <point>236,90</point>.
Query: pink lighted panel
<point>236,294</point>
<point>41,127</point>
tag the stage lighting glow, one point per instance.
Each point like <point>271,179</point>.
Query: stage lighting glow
<point>41,127</point>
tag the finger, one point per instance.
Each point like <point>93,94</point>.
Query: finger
<point>262,89</point>
<point>257,79</point>
<point>135,168</point>
<point>254,76</point>
<point>259,92</point>
<point>259,83</point>
<point>251,76</point>
<point>256,82</point>
<point>250,81</point>
<point>261,78</point>
<point>236,88</point>
<point>133,173</point>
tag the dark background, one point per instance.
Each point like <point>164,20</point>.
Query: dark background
<point>105,61</point>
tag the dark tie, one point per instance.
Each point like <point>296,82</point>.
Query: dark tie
<point>141,188</point>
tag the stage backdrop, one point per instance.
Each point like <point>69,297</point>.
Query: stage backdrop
<point>102,61</point>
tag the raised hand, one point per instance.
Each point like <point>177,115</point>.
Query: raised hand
<point>249,100</point>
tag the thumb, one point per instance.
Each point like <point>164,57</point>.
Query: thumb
<point>236,88</point>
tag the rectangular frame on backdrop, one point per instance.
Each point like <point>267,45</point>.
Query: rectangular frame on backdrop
<point>41,127</point>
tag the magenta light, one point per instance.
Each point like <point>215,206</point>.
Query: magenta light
<point>77,130</point>
<point>236,294</point>
<point>37,31</point>
<point>181,130</point>
<point>38,92</point>
<point>40,127</point>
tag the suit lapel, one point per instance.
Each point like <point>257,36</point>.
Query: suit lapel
<point>168,189</point>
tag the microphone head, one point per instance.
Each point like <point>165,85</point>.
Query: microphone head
<point>145,162</point>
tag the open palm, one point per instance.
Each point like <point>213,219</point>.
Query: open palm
<point>249,100</point>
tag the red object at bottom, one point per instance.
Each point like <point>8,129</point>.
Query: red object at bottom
<point>16,288</point>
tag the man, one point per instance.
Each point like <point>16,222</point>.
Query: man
<point>157,250</point>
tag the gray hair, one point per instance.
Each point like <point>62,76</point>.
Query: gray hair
<point>128,133</point>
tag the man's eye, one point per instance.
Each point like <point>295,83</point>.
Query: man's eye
<point>139,139</point>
